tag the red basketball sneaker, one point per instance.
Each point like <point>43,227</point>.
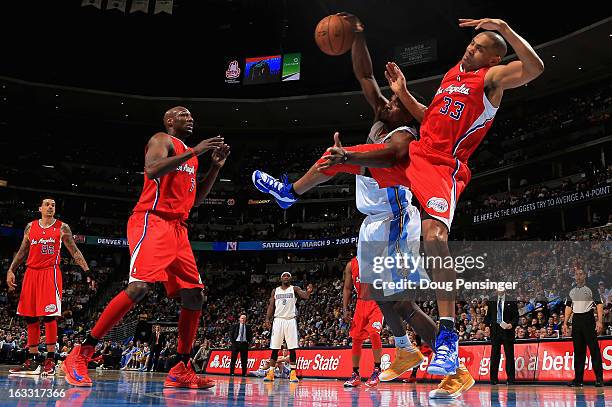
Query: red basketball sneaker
<point>75,365</point>
<point>184,376</point>
<point>48,367</point>
<point>354,381</point>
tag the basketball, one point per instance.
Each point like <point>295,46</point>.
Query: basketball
<point>334,35</point>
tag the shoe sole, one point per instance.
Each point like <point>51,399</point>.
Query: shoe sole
<point>438,371</point>
<point>456,394</point>
<point>179,386</point>
<point>350,385</point>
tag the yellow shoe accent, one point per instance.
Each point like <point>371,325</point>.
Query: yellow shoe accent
<point>453,386</point>
<point>270,375</point>
<point>404,361</point>
<point>293,377</point>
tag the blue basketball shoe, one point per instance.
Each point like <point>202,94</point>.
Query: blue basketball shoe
<point>279,189</point>
<point>446,359</point>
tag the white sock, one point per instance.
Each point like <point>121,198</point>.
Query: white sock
<point>404,343</point>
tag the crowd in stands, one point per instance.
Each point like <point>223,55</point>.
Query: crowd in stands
<point>320,321</point>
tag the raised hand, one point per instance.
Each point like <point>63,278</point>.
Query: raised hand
<point>483,23</point>
<point>353,20</point>
<point>208,144</point>
<point>335,155</point>
<point>395,77</point>
<point>220,155</point>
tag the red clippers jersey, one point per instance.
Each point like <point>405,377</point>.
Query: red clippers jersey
<point>355,275</point>
<point>460,114</point>
<point>45,245</point>
<point>173,194</point>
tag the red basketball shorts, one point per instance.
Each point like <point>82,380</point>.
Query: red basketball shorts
<point>160,251</point>
<point>436,180</point>
<point>41,293</point>
<point>367,320</point>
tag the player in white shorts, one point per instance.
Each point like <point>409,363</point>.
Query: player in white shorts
<point>282,306</point>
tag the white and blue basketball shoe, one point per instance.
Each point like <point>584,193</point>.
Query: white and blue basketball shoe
<point>279,189</point>
<point>446,359</point>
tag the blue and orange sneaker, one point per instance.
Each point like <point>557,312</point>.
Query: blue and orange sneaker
<point>75,366</point>
<point>446,358</point>
<point>279,189</point>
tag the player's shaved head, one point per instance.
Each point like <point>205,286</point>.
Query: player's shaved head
<point>172,112</point>
<point>498,44</point>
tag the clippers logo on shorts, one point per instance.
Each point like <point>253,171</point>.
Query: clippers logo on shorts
<point>385,361</point>
<point>438,204</point>
<point>377,325</point>
<point>51,308</point>
<point>215,362</point>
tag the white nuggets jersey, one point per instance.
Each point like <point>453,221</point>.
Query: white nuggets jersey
<point>284,306</point>
<point>373,200</point>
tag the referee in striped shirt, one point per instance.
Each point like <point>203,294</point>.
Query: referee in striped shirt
<point>581,300</point>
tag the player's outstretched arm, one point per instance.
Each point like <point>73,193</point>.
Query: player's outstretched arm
<point>305,295</point>
<point>218,160</point>
<point>157,161</point>
<point>370,155</point>
<point>516,73</point>
<point>362,65</point>
<point>397,83</point>
<point>20,257</point>
<point>70,244</point>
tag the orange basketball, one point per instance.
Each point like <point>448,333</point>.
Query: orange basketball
<point>334,35</point>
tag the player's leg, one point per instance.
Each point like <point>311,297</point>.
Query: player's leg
<point>406,355</point>
<point>185,282</point>
<point>286,194</point>
<point>435,240</point>
<point>31,364</point>
<point>420,322</point>
<point>51,341</point>
<point>276,340</point>
<point>291,337</point>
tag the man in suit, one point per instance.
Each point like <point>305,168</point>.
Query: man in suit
<point>240,335</point>
<point>502,316</point>
<point>157,342</point>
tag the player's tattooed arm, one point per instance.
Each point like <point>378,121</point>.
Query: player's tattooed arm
<point>305,295</point>
<point>70,244</point>
<point>270,311</point>
<point>218,158</point>
<point>20,257</point>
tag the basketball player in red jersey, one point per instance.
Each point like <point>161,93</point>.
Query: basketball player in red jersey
<point>435,167</point>
<point>41,290</point>
<point>159,246</point>
<point>367,323</point>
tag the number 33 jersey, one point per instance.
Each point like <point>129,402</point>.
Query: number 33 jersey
<point>171,195</point>
<point>460,114</point>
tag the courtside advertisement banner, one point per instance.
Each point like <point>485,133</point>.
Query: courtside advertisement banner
<point>534,361</point>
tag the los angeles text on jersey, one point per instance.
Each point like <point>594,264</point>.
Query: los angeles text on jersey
<point>405,284</point>
<point>454,89</point>
<point>42,241</point>
<point>189,169</point>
